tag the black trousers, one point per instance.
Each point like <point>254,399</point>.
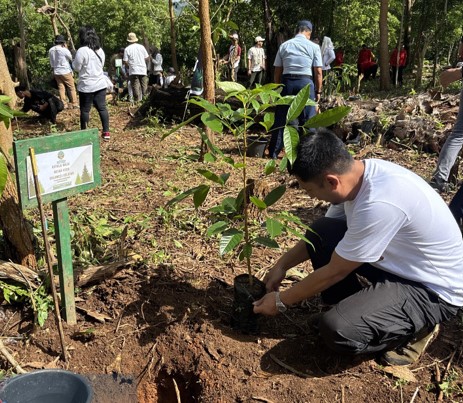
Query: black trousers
<point>381,316</point>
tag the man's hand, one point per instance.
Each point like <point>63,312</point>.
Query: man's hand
<point>274,278</point>
<point>249,72</point>
<point>266,305</point>
<point>449,76</point>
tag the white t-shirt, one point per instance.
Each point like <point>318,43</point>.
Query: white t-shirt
<point>256,56</point>
<point>60,60</point>
<point>90,69</point>
<point>135,55</point>
<point>399,224</point>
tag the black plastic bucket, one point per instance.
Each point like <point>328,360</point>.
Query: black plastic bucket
<point>256,146</point>
<point>47,386</point>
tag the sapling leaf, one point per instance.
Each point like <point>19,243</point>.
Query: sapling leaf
<point>258,202</point>
<point>298,104</point>
<point>239,199</point>
<point>213,177</point>
<point>246,252</point>
<point>185,194</point>
<point>3,173</point>
<point>230,86</point>
<point>299,235</point>
<point>328,117</point>
<point>274,227</point>
<point>208,157</point>
<point>176,128</point>
<point>270,167</point>
<point>264,241</point>
<point>5,111</point>
<point>212,121</point>
<point>216,228</point>
<point>269,119</point>
<point>206,105</point>
<point>230,240</point>
<point>275,195</point>
<point>255,104</point>
<point>4,99</point>
<point>283,164</point>
<point>290,140</point>
<point>200,195</point>
<point>6,121</point>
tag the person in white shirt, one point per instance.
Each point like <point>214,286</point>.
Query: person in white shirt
<point>387,225</point>
<point>60,62</point>
<point>156,76</point>
<point>328,55</point>
<point>135,58</point>
<point>256,62</point>
<point>92,84</point>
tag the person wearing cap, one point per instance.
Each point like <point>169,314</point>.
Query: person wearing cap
<point>256,62</point>
<point>135,58</point>
<point>294,63</point>
<point>232,59</point>
<point>60,62</point>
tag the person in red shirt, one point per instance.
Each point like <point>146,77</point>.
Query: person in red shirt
<point>398,60</point>
<point>366,63</point>
<point>339,57</point>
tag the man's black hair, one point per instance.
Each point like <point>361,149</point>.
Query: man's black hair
<point>121,50</point>
<point>319,154</point>
<point>20,88</point>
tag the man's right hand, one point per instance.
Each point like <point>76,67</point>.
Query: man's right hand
<point>274,278</point>
<point>449,76</point>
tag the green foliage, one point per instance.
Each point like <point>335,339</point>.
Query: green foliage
<point>230,218</point>
<point>39,300</point>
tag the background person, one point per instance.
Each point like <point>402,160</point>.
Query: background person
<point>452,146</point>
<point>294,63</point>
<point>372,229</point>
<point>233,57</point>
<point>42,102</point>
<point>92,84</point>
<point>398,63</point>
<point>156,76</point>
<point>366,65</point>
<point>256,62</point>
<point>135,58</point>
<point>328,56</point>
<point>60,61</point>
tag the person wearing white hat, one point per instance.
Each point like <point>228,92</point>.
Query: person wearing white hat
<point>256,62</point>
<point>232,59</point>
<point>135,58</point>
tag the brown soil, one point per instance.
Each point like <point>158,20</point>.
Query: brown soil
<point>169,337</point>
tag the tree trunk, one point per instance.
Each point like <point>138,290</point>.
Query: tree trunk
<point>383,47</point>
<point>173,37</point>
<point>17,236</point>
<point>270,40</point>
<point>206,53</point>
<point>20,64</point>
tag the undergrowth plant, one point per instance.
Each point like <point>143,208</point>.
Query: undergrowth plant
<point>230,218</point>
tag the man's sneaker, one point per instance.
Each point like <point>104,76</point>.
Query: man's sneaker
<point>412,351</point>
<point>106,136</point>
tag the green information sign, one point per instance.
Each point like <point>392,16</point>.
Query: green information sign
<point>67,164</point>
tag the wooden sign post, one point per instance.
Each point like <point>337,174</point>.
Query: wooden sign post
<point>68,164</point>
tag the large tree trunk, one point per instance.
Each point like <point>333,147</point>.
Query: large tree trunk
<point>16,234</point>
<point>385,81</point>
<point>206,49</point>
<point>20,49</point>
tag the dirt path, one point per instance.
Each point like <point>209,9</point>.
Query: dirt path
<point>168,336</point>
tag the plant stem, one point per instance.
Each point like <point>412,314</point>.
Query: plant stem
<point>245,198</point>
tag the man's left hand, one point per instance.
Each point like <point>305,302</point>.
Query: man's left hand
<point>266,305</point>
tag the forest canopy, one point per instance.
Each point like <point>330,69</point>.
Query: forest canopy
<point>430,29</point>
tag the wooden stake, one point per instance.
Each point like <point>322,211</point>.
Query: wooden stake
<point>48,253</point>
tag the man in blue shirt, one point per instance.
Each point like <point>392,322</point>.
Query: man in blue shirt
<point>298,62</point>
